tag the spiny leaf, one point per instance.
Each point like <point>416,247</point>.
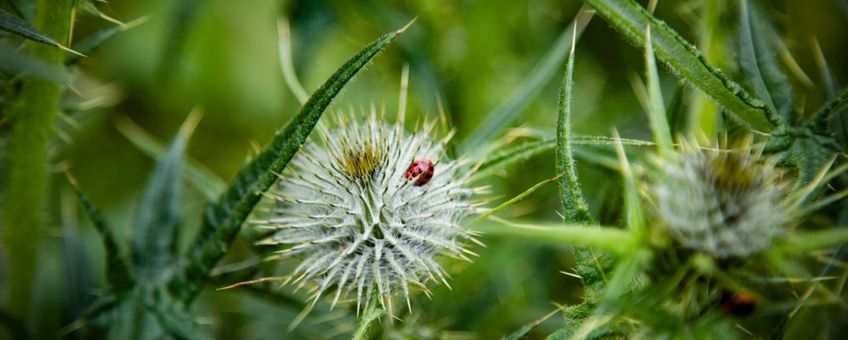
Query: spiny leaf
<point>13,24</point>
<point>223,218</point>
<point>656,108</point>
<point>611,239</point>
<point>574,206</point>
<point>630,20</point>
<point>367,323</point>
<point>759,64</point>
<point>499,118</point>
<point>157,225</point>
<point>118,271</point>
<point>195,173</point>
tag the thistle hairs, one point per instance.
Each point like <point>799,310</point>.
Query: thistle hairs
<point>348,209</point>
<point>724,202</point>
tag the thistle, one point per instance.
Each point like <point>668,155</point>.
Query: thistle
<point>726,203</point>
<point>362,217</point>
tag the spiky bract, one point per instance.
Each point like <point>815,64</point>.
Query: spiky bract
<point>359,226</point>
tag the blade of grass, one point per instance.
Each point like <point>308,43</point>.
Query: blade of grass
<point>223,218</point>
<point>498,119</point>
<point>656,109</point>
<point>157,224</point>
<point>630,19</point>
<point>574,206</point>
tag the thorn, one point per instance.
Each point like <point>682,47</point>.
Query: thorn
<point>403,29</point>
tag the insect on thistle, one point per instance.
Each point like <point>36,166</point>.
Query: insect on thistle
<point>421,170</point>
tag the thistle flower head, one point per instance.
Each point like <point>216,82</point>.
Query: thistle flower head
<point>362,221</point>
<point>726,203</point>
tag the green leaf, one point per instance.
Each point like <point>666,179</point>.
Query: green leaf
<point>675,111</point>
<point>574,206</point>
<point>630,20</point>
<point>157,225</point>
<point>223,218</point>
<point>367,323</point>
<point>758,62</point>
<point>195,173</point>
<point>13,24</point>
<point>656,108</point>
<point>118,272</point>
<point>611,239</point>
<point>501,117</point>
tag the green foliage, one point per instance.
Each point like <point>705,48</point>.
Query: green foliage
<point>630,20</point>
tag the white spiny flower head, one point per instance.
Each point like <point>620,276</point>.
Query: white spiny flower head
<point>362,225</point>
<point>726,203</point>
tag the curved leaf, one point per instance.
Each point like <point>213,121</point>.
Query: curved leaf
<point>223,218</point>
<point>630,20</point>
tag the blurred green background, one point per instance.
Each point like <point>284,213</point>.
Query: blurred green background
<point>470,56</point>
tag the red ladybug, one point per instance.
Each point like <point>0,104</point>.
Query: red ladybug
<point>421,169</point>
<point>737,303</point>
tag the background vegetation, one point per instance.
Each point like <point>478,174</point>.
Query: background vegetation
<point>466,57</point>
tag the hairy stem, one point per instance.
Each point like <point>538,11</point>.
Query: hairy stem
<point>33,114</point>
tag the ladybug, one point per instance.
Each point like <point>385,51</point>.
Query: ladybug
<point>737,303</point>
<point>422,169</point>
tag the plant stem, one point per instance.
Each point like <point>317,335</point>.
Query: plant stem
<point>33,114</point>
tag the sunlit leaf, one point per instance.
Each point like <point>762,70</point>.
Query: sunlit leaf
<point>630,20</point>
<point>223,218</point>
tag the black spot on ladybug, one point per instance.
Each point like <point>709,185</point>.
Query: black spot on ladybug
<point>421,170</point>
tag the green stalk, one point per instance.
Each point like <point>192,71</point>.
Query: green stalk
<point>33,114</point>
